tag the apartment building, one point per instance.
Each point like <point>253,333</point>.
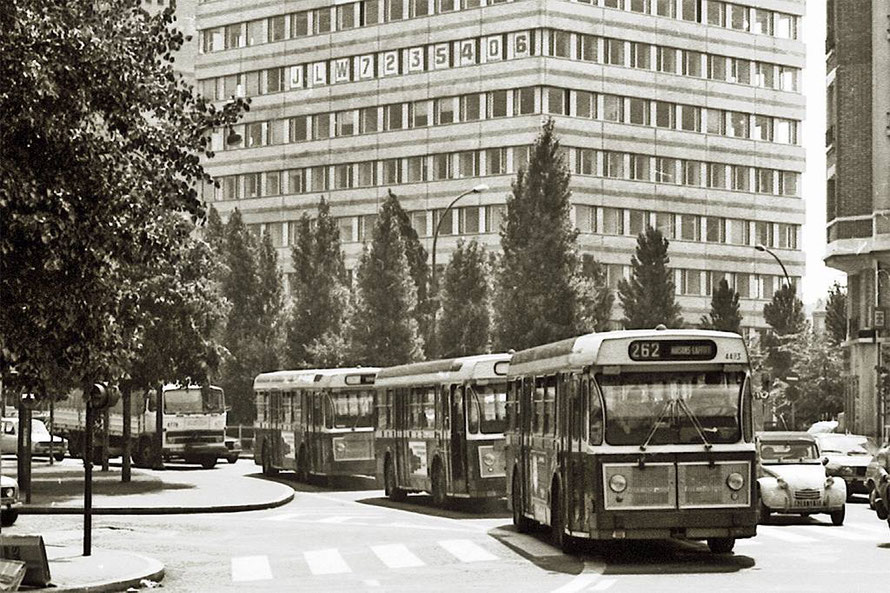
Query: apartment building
<point>680,114</point>
<point>858,201</point>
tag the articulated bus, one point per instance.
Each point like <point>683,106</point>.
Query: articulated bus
<point>316,422</point>
<point>440,428</point>
<point>639,434</point>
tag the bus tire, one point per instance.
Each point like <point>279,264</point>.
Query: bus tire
<point>440,499</point>
<point>558,536</point>
<point>522,523</point>
<point>268,468</point>
<point>302,466</point>
<point>721,545</point>
<point>394,493</point>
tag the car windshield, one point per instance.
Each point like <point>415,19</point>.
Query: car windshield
<point>38,429</point>
<point>352,409</point>
<point>194,401</point>
<point>844,444</point>
<point>671,404</point>
<point>790,451</point>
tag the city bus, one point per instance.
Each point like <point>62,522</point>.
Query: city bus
<point>638,434</point>
<point>440,428</point>
<point>317,423</point>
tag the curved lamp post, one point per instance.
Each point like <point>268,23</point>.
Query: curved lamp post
<point>433,286</point>
<point>784,271</point>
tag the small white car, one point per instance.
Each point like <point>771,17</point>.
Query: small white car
<point>40,439</point>
<point>792,478</point>
<point>9,501</point>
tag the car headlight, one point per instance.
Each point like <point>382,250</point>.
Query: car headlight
<point>782,484</point>
<point>829,482</point>
<point>8,492</point>
<point>735,481</point>
<point>618,483</point>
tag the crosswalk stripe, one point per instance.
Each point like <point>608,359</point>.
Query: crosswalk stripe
<point>466,551</point>
<point>341,519</point>
<point>251,568</point>
<point>578,583</point>
<point>397,556</point>
<point>784,535</point>
<point>326,562</point>
<point>839,533</point>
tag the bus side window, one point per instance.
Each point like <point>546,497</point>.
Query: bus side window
<point>512,401</point>
<point>472,410</point>
<point>595,425</point>
<point>747,410</point>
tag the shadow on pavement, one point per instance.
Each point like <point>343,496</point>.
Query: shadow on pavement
<point>642,557</point>
<point>459,508</point>
<point>61,485</point>
<point>318,483</point>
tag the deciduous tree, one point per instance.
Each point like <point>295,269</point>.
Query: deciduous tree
<point>648,297</point>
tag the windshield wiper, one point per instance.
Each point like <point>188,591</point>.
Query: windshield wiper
<point>695,423</point>
<point>668,407</point>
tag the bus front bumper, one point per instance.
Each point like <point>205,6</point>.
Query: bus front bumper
<point>687,524</point>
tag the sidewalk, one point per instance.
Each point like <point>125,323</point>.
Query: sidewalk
<point>58,489</point>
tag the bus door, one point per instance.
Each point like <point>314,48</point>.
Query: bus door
<point>575,410</point>
<point>275,425</point>
<point>525,441</point>
<point>458,440</point>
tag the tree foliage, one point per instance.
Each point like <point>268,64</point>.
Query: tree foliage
<point>725,315</point>
<point>417,256</point>
<point>598,298</point>
<point>784,313</point>
<point>539,282</point>
<point>100,142</point>
<point>382,328</point>
<point>464,327</point>
<point>319,293</point>
<point>836,314</point>
<point>818,391</point>
<point>648,297</point>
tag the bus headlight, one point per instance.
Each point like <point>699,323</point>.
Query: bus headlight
<point>735,481</point>
<point>488,460</point>
<point>618,483</point>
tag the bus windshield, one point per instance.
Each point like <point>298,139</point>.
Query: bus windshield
<point>668,404</point>
<point>352,409</point>
<point>194,401</point>
<point>487,410</point>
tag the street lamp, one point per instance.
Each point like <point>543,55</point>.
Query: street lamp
<point>784,271</point>
<point>433,286</point>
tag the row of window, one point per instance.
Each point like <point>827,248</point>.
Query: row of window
<point>688,282</point>
<point>509,46</point>
<point>508,103</point>
<point>501,161</point>
<point>342,17</point>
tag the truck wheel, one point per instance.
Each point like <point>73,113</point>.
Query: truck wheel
<point>8,517</point>
<point>268,468</point>
<point>147,452</point>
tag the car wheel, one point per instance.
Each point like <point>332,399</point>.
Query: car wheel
<point>765,513</point>
<point>59,456</point>
<point>721,545</point>
<point>208,462</point>
<point>7,518</point>
<point>880,507</point>
<point>872,495</point>
<point>232,458</point>
<point>837,517</point>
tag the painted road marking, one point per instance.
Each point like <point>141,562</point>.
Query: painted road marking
<point>785,535</point>
<point>340,519</point>
<point>326,562</point>
<point>589,575</point>
<point>251,568</point>
<point>466,551</point>
<point>603,585</point>
<point>397,556</point>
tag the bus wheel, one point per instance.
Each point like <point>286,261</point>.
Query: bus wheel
<point>522,523</point>
<point>558,535</point>
<point>394,493</point>
<point>268,468</point>
<point>721,545</point>
<point>440,499</point>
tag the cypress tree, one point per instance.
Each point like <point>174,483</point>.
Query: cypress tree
<point>725,315</point>
<point>464,326</point>
<point>270,304</point>
<point>784,313</point>
<point>538,289</point>
<point>319,292</point>
<point>599,298</point>
<point>648,297</point>
<point>382,328</point>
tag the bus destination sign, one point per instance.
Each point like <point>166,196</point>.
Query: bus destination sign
<point>668,350</point>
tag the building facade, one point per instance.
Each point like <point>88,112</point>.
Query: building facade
<point>858,201</point>
<point>680,114</point>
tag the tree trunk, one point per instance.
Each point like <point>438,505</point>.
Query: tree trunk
<point>159,429</point>
<point>125,446</point>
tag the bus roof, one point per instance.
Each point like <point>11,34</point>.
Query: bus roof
<point>447,370</point>
<point>611,348</point>
<point>316,378</point>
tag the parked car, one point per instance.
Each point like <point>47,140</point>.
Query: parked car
<point>9,501</point>
<point>847,456</point>
<point>233,447</point>
<point>877,480</point>
<point>792,478</point>
<point>40,439</point>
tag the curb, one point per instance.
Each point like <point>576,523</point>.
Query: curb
<point>236,508</point>
<point>154,572</point>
